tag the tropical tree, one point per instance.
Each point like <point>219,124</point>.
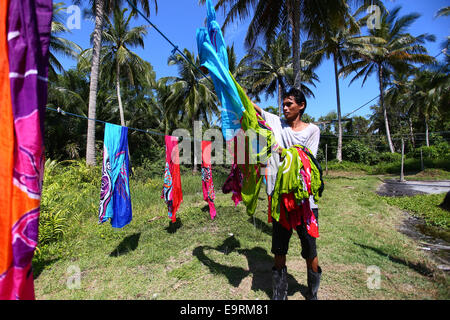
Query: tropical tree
<point>67,91</point>
<point>445,12</point>
<point>193,94</point>
<point>393,50</point>
<point>119,60</point>
<point>427,90</point>
<point>166,108</point>
<point>100,8</point>
<point>58,44</point>
<point>337,42</point>
<point>398,99</point>
<point>289,16</point>
<point>272,70</point>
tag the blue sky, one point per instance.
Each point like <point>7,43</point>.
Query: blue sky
<point>179,19</point>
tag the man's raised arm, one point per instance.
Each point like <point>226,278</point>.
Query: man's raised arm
<point>258,109</point>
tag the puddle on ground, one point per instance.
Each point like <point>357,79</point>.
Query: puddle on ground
<point>395,188</point>
<point>429,238</point>
<point>432,239</point>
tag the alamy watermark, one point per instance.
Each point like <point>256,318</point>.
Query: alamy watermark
<point>374,280</point>
<point>249,147</point>
<point>73,274</point>
<point>73,20</point>
<point>374,20</point>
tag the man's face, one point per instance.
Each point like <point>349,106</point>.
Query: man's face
<point>291,109</point>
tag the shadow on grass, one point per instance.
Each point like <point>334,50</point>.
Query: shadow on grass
<point>261,225</point>
<point>174,226</point>
<point>259,267</point>
<point>418,267</point>
<point>128,244</point>
<point>40,265</point>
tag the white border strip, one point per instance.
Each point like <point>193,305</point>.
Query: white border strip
<point>13,75</point>
<point>13,34</point>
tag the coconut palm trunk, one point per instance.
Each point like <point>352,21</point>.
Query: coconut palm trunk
<point>338,101</point>
<point>411,132</point>
<point>386,121</point>
<point>295,14</point>
<point>90,144</point>
<point>280,99</point>
<point>427,139</point>
<point>196,160</point>
<point>119,98</point>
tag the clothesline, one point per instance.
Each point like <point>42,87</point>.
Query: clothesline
<point>61,111</point>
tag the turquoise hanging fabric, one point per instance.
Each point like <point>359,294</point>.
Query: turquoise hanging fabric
<point>213,56</point>
<point>115,200</point>
<point>237,109</point>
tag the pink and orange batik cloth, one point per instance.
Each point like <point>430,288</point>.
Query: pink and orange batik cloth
<point>207,180</point>
<point>24,45</point>
<point>172,193</point>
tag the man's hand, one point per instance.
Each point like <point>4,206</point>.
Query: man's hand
<point>258,109</point>
<point>280,150</point>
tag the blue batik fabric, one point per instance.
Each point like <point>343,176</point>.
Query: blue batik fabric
<point>115,200</point>
<point>213,56</point>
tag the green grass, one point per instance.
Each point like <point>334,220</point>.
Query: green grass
<point>225,258</point>
<point>424,206</point>
<point>437,168</point>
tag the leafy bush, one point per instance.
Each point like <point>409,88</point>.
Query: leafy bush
<point>346,166</point>
<point>320,155</point>
<point>356,151</point>
<point>388,157</point>
<point>59,202</point>
<point>439,150</point>
<point>149,169</point>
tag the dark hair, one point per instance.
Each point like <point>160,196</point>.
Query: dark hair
<point>298,95</point>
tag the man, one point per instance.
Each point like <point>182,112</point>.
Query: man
<point>289,132</point>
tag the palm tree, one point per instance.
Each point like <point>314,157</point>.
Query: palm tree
<point>445,12</point>
<point>398,97</point>
<point>101,8</point>
<point>166,109</point>
<point>289,16</point>
<point>60,45</point>
<point>337,41</point>
<point>69,91</point>
<point>239,69</point>
<point>428,88</point>
<point>119,60</point>
<point>194,95</point>
<point>392,50</point>
<point>272,70</point>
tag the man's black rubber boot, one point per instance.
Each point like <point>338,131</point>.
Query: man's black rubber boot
<point>313,283</point>
<point>279,283</point>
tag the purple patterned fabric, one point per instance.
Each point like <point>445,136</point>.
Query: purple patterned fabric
<point>28,35</point>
